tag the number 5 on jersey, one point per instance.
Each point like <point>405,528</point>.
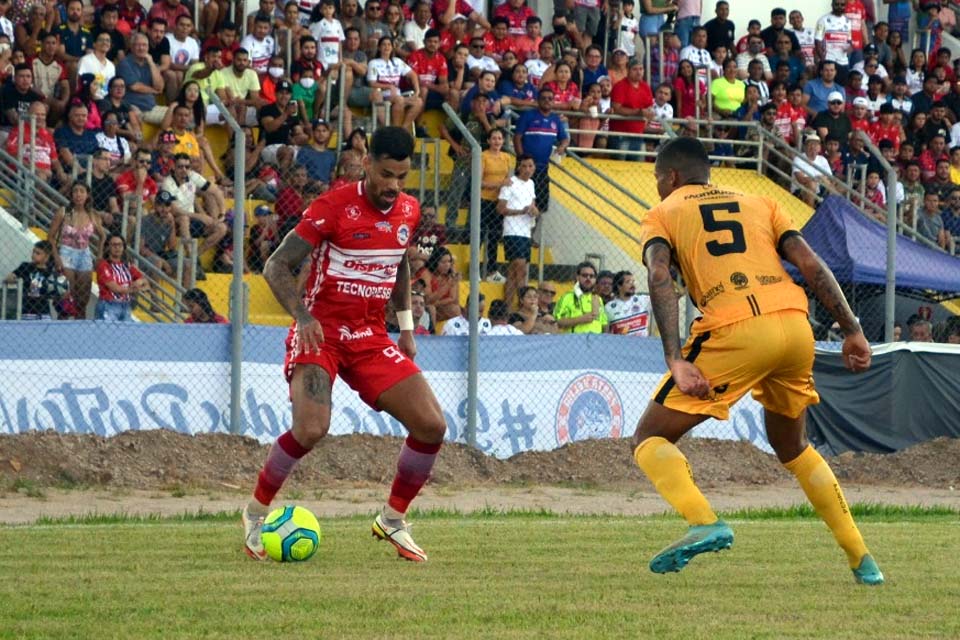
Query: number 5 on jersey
<point>738,243</point>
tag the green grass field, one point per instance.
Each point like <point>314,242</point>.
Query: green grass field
<point>490,575</point>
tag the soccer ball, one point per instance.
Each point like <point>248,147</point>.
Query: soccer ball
<point>290,534</point>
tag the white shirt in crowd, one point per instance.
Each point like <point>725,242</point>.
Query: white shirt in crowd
<point>536,68</point>
<point>387,71</point>
<point>260,51</point>
<point>806,40</point>
<point>103,73</point>
<point>504,330</point>
<point>186,193</point>
<point>812,169</point>
<point>329,35</point>
<point>187,51</point>
<point>460,326</point>
<point>661,112</point>
<point>627,38</point>
<point>412,32</point>
<point>486,63</point>
<point>834,32</point>
<point>630,317</point>
<point>518,194</point>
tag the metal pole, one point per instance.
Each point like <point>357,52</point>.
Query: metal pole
<point>436,175</point>
<point>342,104</point>
<point>473,304</point>
<point>137,230</point>
<point>661,61</point>
<point>124,221</point>
<point>237,320</point>
<point>327,98</point>
<point>648,40</point>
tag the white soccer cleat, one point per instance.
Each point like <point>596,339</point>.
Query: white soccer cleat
<point>252,544</point>
<point>400,538</point>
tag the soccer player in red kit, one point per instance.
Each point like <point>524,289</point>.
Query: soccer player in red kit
<point>356,237</point>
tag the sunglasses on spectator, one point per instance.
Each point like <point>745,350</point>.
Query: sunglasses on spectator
<point>588,275</point>
<point>144,161</point>
<point>836,102</point>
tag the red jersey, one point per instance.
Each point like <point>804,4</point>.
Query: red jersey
<point>626,95</point>
<point>856,14</point>
<point>787,117</point>
<point>46,149</point>
<point>127,183</point>
<point>563,96</point>
<point>226,53</point>
<point>496,48</point>
<point>428,68</point>
<point>121,273</point>
<point>448,42</point>
<point>890,132</point>
<point>440,6</point>
<point>860,124</point>
<point>357,249</point>
<point>517,17</point>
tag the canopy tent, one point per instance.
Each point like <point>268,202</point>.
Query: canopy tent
<point>855,248</point>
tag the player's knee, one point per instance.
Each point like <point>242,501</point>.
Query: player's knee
<point>311,429</point>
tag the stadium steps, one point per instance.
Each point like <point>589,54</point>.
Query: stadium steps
<point>578,186</point>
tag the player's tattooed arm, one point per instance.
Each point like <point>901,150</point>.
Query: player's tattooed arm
<point>821,280</point>
<point>280,274</point>
<point>401,290</point>
<point>663,297</point>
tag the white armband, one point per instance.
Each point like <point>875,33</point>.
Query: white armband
<point>405,320</point>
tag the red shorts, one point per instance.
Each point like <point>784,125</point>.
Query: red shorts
<point>369,364</point>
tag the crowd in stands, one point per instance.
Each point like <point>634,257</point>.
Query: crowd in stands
<point>81,81</point>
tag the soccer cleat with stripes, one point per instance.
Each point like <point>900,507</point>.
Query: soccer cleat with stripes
<point>868,572</point>
<point>252,544</point>
<point>400,538</point>
<point>699,539</point>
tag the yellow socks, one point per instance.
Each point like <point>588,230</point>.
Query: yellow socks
<point>823,491</point>
<point>668,470</point>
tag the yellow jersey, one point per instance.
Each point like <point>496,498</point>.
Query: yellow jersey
<point>726,245</point>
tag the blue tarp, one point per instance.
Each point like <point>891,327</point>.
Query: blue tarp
<point>854,247</point>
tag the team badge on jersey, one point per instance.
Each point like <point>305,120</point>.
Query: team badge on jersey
<point>403,234</point>
<point>590,407</point>
<point>406,209</point>
<point>352,211</point>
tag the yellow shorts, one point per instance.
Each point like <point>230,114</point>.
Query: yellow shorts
<point>770,354</point>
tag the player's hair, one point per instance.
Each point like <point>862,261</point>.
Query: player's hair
<point>395,143</point>
<point>618,279</point>
<point>498,310</point>
<point>688,157</point>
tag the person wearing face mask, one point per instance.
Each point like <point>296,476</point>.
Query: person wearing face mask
<point>564,36</point>
<point>308,94</point>
<point>275,73</point>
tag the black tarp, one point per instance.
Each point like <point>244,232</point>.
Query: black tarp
<point>911,394</point>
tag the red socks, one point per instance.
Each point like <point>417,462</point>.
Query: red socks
<point>283,457</point>
<point>413,469</point>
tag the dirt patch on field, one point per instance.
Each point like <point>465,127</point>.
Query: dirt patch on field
<point>159,460</point>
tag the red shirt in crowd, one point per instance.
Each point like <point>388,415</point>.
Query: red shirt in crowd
<point>627,95</point>
<point>46,148</point>
<point>120,273</point>
<point>428,68</point>
<point>127,183</point>
<point>289,205</point>
<point>889,132</point>
<point>517,17</point>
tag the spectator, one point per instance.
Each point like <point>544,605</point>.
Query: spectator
<point>951,215</point>
<point>168,11</point>
<point>265,236</point>
<point>349,169</point>
<point>200,310</point>
<point>355,66</point>
<point>260,45</point>
<point>72,231</point>
<point>753,29</point>
<point>924,100</point>
<point>499,320</point>
<point>29,34</point>
<point>941,181</point>
<point>443,285</point>
<point>41,288</point>
<point>414,31</point>
<point>720,30</point>
<point>117,149</point>
<point>143,78</point>
<point>163,162</point>
<point>205,75</point>
<point>75,142</point>
<point>728,91</point>
<point>119,282</point>
<point>75,38</point>
<point>225,40</point>
<point>581,310</point>
<point>547,292</point>
<point>128,118</point>
<point>928,159</point>
<point>318,159</point>
<point>431,69</point>
<point>277,121</point>
<point>158,235</point>
<point>929,221</point>
<point>372,27</point>
<point>631,97</point>
<point>629,313</point>
<point>921,331</point>
<point>103,190</point>
<point>495,175</point>
<point>811,172</point>
<point>689,91</point>
<point>688,20</point>
<point>834,121</point>
<point>834,35</point>
<point>536,133</point>
<point>460,326</point>
<point>653,15</point>
<point>17,96</point>
<point>50,75</point>
<point>526,315</point>
<point>777,30</point>
<point>349,17</point>
<point>754,53</point>
<point>784,53</point>
<point>696,52</point>
<point>99,65</point>
<point>39,150</point>
<point>291,200</point>
<point>518,89</point>
<point>184,52</point>
<point>604,286</point>
<point>240,90</point>
<point>384,74</point>
<point>184,184</point>
<point>817,91</point>
<point>429,235</point>
<point>626,26</point>
<point>791,115</point>
<point>566,93</point>
<point>516,203</point>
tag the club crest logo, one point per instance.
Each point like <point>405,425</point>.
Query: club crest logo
<point>403,234</point>
<point>589,408</point>
<point>353,212</point>
<point>406,208</point>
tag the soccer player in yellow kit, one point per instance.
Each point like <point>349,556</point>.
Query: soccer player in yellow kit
<point>754,335</point>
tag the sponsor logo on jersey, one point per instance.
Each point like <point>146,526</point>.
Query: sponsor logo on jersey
<point>739,280</point>
<point>364,290</point>
<point>319,223</point>
<point>384,227</point>
<point>765,280</point>
<point>710,294</point>
<point>352,211</point>
<point>403,234</point>
<point>361,236</point>
<point>590,407</point>
<point>359,334</point>
<point>370,267</point>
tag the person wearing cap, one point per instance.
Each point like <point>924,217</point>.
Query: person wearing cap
<point>265,236</point>
<point>277,121</point>
<point>833,121</point>
<point>158,234</point>
<point>811,171</point>
<point>860,114</point>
